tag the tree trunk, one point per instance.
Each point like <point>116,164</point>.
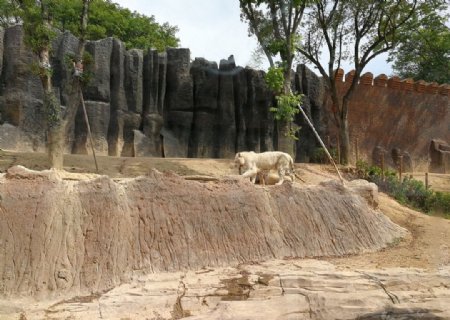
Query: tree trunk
<point>285,142</point>
<point>340,111</point>
<point>58,121</point>
<point>344,136</point>
<point>55,132</point>
<point>55,129</point>
<point>55,140</point>
<point>344,140</point>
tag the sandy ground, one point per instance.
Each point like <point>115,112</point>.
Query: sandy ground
<point>428,246</point>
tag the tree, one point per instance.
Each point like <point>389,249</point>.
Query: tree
<point>37,17</point>
<point>106,19</point>
<point>275,24</point>
<point>8,13</point>
<point>356,30</point>
<point>424,53</point>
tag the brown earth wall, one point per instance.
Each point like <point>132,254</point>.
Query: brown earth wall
<point>394,113</point>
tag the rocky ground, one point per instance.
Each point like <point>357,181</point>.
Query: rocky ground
<point>409,279</point>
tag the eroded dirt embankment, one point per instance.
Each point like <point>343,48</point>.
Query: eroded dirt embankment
<point>76,236</point>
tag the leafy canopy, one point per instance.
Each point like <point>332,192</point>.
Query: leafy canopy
<point>106,19</point>
<point>275,24</point>
<point>423,53</point>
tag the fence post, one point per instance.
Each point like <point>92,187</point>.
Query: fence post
<point>382,164</point>
<point>356,150</point>
<point>445,163</point>
<point>338,150</point>
<point>400,168</point>
<point>426,181</point>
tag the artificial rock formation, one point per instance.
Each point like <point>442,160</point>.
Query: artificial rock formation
<point>141,103</point>
<point>439,156</point>
<point>162,104</point>
<point>72,237</point>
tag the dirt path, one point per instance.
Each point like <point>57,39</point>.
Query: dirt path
<point>428,246</point>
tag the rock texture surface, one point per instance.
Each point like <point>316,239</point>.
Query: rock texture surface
<point>139,103</point>
<point>68,236</point>
<point>275,289</point>
<point>161,104</point>
<point>439,156</point>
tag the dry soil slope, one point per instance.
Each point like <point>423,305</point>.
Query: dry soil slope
<point>65,236</point>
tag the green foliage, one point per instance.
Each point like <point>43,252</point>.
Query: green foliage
<point>275,79</point>
<point>275,47</point>
<point>365,171</point>
<point>276,24</point>
<point>409,191</point>
<point>439,203</point>
<point>106,19</point>
<point>319,155</point>
<point>287,106</point>
<point>424,53</point>
<point>38,31</point>
<point>87,59</point>
<point>9,13</point>
<point>41,71</point>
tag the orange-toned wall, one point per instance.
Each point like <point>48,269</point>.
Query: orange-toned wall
<point>395,113</point>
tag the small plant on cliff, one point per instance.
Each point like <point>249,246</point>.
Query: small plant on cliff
<point>286,104</point>
<point>87,75</point>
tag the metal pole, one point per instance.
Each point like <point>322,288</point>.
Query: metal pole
<point>400,168</point>
<point>426,181</point>
<point>89,129</point>
<point>321,143</point>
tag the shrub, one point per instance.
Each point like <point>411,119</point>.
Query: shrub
<point>409,191</point>
<point>439,202</point>
<point>319,155</point>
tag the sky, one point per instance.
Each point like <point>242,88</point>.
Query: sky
<point>212,29</point>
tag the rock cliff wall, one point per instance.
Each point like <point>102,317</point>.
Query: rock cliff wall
<point>86,236</point>
<point>142,103</point>
<point>163,104</point>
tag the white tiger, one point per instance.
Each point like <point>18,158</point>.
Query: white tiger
<point>254,163</point>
